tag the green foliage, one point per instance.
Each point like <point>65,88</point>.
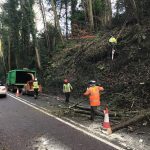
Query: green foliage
<point>54,42</point>
<point>79,18</point>
<point>18,25</point>
<point>98,7</point>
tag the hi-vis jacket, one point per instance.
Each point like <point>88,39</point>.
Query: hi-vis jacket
<point>67,88</point>
<point>35,85</point>
<point>113,40</point>
<point>94,95</point>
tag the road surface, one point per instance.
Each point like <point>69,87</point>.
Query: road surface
<point>23,127</point>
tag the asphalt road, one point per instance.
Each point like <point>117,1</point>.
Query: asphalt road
<point>25,128</point>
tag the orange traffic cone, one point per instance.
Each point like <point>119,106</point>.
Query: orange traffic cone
<point>106,124</point>
<point>17,93</point>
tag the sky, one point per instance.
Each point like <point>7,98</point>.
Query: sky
<point>49,17</point>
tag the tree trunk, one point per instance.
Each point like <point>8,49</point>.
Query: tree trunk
<point>117,9</point>
<point>108,13</point>
<point>57,24</point>
<point>9,54</point>
<point>73,22</point>
<point>66,9</point>
<point>45,25</point>
<point>38,57</point>
<point>2,56</point>
<point>33,33</point>
<point>133,120</point>
<point>25,34</point>
<point>90,14</point>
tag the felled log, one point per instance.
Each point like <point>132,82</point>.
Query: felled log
<point>113,120</point>
<point>139,117</point>
<point>74,105</point>
<point>111,114</point>
<point>83,108</point>
<point>82,112</point>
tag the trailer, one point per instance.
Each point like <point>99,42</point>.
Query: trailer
<point>16,79</point>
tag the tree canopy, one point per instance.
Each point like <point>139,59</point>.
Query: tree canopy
<point>23,46</point>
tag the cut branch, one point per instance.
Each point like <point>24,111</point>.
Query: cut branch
<point>133,120</point>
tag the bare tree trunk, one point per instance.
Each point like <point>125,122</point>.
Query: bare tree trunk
<point>2,56</point>
<point>90,14</point>
<point>25,36</point>
<point>9,54</point>
<point>117,9</point>
<point>56,20</point>
<point>35,42</point>
<point>38,57</point>
<point>66,9</point>
<point>45,26</point>
<point>106,18</point>
<point>108,13</point>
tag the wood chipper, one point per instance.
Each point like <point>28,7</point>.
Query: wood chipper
<point>17,78</point>
<point>28,88</point>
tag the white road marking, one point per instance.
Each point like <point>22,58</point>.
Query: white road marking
<point>67,123</point>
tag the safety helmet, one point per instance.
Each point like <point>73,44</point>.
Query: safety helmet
<point>92,82</point>
<point>65,81</point>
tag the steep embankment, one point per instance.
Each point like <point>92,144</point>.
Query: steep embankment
<point>126,79</point>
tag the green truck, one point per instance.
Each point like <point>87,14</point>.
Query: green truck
<point>16,79</point>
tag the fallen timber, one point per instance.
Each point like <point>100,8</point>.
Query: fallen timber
<point>142,115</point>
<point>119,119</point>
<point>116,118</point>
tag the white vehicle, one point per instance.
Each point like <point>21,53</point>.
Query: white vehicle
<point>3,89</point>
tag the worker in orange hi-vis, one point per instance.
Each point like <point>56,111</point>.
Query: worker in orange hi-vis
<point>94,97</point>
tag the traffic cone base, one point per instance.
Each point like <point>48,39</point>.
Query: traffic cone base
<point>106,123</point>
<point>17,93</point>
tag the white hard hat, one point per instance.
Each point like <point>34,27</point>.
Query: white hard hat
<point>92,82</point>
